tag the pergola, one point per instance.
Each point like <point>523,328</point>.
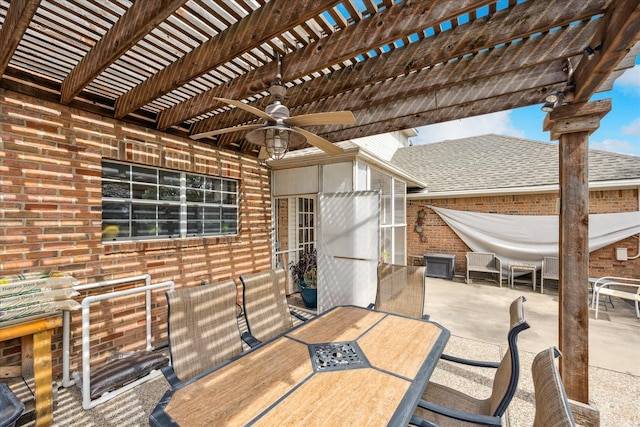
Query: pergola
<point>394,64</point>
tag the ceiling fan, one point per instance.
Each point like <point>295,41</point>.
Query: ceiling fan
<point>280,131</point>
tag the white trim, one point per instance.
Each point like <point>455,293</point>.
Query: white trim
<point>554,188</point>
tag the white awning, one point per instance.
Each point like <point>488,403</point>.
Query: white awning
<point>527,238</point>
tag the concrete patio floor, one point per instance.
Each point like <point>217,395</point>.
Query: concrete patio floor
<point>477,316</point>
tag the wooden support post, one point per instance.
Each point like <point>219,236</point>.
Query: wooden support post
<point>574,265</point>
<point>43,377</point>
<point>572,125</point>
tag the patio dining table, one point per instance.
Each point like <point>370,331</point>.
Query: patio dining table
<point>347,366</point>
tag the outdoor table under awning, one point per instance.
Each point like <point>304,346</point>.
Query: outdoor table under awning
<point>348,366</point>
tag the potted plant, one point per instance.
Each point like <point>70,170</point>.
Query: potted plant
<point>305,274</point>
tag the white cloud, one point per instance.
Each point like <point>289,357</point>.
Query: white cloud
<point>630,77</point>
<point>632,128</point>
<point>616,146</point>
<point>496,123</point>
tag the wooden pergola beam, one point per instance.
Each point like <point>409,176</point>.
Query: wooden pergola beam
<point>15,24</point>
<point>619,32</point>
<point>399,20</point>
<point>419,55</point>
<point>259,27</point>
<point>428,52</point>
<point>137,22</point>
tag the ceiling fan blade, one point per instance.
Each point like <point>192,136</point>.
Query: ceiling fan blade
<point>249,108</point>
<point>321,143</point>
<point>263,155</point>
<point>225,130</point>
<point>328,118</point>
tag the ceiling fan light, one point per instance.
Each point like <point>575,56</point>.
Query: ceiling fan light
<point>277,139</point>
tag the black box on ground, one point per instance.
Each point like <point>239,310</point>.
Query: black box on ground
<point>442,266</point>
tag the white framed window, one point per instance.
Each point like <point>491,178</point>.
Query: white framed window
<point>140,202</point>
<point>392,216</point>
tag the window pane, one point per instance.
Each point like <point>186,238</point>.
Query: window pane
<point>115,171</point>
<point>145,192</point>
<point>399,245</point>
<point>195,181</point>
<point>381,181</point>
<point>118,190</point>
<point>399,208</point>
<point>195,196</point>
<point>229,199</point>
<point>169,193</point>
<point>116,211</point>
<point>170,178</point>
<point>144,175</point>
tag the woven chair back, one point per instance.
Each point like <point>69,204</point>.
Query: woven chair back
<point>552,405</point>
<point>203,328</point>
<point>265,303</point>
<point>401,289</point>
<point>507,375</point>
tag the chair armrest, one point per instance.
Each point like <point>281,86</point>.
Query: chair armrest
<point>170,375</point>
<point>460,415</point>
<point>478,363</point>
<point>421,422</point>
<point>371,306</point>
<point>425,317</point>
<point>298,316</point>
<point>250,339</point>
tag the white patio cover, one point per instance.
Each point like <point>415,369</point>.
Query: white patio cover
<point>527,238</point>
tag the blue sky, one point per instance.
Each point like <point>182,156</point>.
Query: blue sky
<point>619,130</point>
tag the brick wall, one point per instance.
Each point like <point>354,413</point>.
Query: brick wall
<point>441,239</point>
<point>50,216</point>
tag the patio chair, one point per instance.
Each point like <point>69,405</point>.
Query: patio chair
<point>401,290</point>
<point>552,405</point>
<point>449,407</point>
<point>203,329</point>
<point>550,271</point>
<point>265,304</point>
<point>484,262</point>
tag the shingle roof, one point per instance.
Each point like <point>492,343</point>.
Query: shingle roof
<point>493,161</point>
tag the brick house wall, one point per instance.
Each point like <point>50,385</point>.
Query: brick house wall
<point>50,217</point>
<point>442,239</point>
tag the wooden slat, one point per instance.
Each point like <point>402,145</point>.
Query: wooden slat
<point>139,20</point>
<point>475,108</point>
<point>26,350</point>
<point>409,18</point>
<point>256,28</point>
<point>10,371</point>
<point>15,24</point>
<point>544,49</point>
<point>619,32</point>
<point>447,45</point>
<point>540,76</point>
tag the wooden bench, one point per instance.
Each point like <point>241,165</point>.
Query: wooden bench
<point>484,262</point>
<point>620,287</point>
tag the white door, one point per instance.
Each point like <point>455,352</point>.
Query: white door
<point>348,248</point>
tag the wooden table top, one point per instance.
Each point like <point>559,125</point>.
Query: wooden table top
<point>371,369</point>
